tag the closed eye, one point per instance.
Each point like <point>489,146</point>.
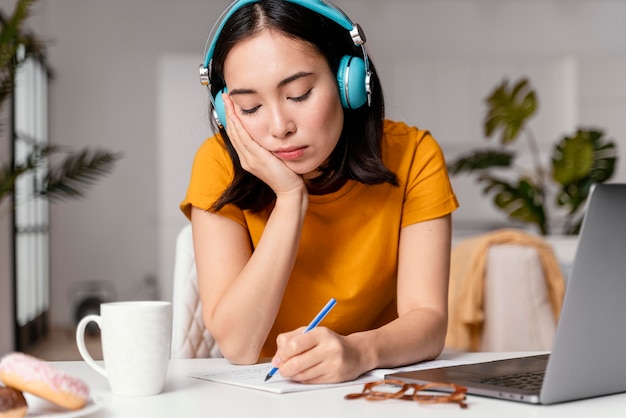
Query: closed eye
<point>250,111</point>
<point>301,98</point>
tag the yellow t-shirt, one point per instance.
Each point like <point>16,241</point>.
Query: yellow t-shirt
<point>349,244</point>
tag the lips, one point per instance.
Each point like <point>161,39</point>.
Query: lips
<point>290,153</point>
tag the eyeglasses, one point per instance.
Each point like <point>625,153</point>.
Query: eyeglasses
<point>397,389</point>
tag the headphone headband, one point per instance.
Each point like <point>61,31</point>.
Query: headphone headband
<point>319,6</point>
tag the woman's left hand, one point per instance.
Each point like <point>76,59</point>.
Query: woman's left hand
<point>318,356</point>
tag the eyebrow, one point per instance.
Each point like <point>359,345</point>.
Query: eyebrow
<point>282,83</point>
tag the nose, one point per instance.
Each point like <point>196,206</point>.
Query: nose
<point>282,123</point>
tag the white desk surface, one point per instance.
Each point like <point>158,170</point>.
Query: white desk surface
<point>188,397</point>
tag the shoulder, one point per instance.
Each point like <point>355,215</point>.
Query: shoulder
<point>212,148</point>
<point>418,161</point>
<point>405,144</point>
<point>211,172</point>
<point>212,158</point>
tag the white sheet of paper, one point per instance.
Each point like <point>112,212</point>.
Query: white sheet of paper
<point>253,376</point>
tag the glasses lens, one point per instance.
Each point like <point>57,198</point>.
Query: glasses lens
<point>384,389</point>
<point>440,393</point>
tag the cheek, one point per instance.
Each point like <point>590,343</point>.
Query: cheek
<point>256,128</point>
<point>329,119</point>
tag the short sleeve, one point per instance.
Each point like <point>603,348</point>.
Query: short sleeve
<point>211,173</point>
<point>418,161</point>
<point>429,194</point>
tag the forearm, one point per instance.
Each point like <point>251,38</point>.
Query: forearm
<point>243,317</point>
<point>416,336</point>
<point>424,265</point>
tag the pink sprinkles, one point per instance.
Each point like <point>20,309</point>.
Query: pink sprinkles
<point>31,369</point>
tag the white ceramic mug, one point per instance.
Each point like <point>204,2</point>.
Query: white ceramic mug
<point>136,340</point>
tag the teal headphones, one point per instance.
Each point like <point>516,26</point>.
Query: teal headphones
<point>353,74</point>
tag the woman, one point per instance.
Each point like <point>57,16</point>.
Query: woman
<point>302,196</point>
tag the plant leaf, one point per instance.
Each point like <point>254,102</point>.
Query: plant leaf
<point>78,170</point>
<point>572,158</point>
<point>509,109</point>
<point>481,160</point>
<point>9,175</point>
<point>579,162</point>
<point>11,38</point>
<point>522,201</point>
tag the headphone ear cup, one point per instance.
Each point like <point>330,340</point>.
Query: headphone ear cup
<point>219,111</point>
<point>351,76</point>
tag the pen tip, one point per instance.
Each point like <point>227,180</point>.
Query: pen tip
<point>267,377</point>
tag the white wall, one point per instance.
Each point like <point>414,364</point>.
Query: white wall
<point>126,70</point>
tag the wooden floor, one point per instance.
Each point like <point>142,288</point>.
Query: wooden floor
<point>60,345</point>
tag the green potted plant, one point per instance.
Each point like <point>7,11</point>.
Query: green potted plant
<point>546,194</point>
<point>73,170</point>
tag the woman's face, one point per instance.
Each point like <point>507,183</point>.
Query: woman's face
<point>286,97</point>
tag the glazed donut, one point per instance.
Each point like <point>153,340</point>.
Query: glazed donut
<point>12,403</point>
<point>29,374</point>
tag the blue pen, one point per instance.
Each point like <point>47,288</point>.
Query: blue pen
<point>312,325</point>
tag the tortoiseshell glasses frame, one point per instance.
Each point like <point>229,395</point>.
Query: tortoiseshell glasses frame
<point>429,393</point>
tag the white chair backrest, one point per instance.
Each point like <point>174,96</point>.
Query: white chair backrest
<point>518,314</point>
<point>190,338</point>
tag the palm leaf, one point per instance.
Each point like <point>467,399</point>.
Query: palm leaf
<point>77,171</point>
<point>9,175</point>
<point>11,39</point>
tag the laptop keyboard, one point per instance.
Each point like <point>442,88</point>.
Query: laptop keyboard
<point>528,381</point>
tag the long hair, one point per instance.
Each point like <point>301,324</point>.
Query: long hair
<point>357,155</point>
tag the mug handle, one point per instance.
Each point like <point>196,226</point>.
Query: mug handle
<point>80,342</point>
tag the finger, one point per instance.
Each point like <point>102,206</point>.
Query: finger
<point>314,375</point>
<point>233,126</point>
<point>293,343</point>
<point>297,353</point>
<point>309,367</point>
<point>283,338</point>
<point>251,154</point>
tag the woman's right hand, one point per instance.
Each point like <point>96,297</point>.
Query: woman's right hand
<point>257,160</point>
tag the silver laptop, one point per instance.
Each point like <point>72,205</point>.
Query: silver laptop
<point>588,356</point>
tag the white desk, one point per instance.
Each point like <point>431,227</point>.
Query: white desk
<point>187,397</point>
